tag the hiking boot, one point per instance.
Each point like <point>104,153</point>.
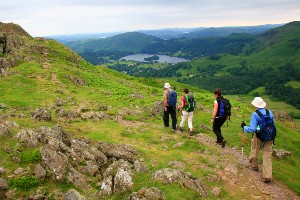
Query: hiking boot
<point>254,168</point>
<point>180,129</point>
<point>191,133</point>
<point>219,143</point>
<point>267,180</point>
<point>223,143</point>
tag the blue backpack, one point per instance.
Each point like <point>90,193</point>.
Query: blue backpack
<point>224,108</point>
<point>266,130</point>
<point>172,98</point>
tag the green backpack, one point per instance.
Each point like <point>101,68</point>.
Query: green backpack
<point>190,103</point>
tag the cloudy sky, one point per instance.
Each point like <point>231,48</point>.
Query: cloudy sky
<point>52,17</point>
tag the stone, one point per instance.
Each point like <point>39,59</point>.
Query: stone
<point>3,170</point>
<point>38,195</point>
<point>29,137</point>
<point>2,106</point>
<point>179,144</point>
<point>39,172</point>
<point>42,114</point>
<point>11,194</point>
<point>73,195</point>
<point>216,191</point>
<point>3,184</point>
<point>4,131</point>
<point>19,171</point>
<point>118,177</point>
<point>140,166</point>
<point>185,179</point>
<point>119,151</point>
<point>281,153</point>
<point>152,193</point>
<point>76,178</point>
<point>77,80</point>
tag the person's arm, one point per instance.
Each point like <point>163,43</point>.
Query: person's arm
<point>165,100</point>
<point>214,112</point>
<point>253,124</point>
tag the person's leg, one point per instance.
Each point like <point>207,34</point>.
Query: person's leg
<point>166,117</point>
<point>267,160</point>
<point>255,145</point>
<point>183,118</point>
<point>190,120</point>
<point>173,116</point>
<point>217,129</point>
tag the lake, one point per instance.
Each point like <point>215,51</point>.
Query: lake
<point>162,58</point>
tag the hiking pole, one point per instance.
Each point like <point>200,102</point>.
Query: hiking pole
<point>243,135</point>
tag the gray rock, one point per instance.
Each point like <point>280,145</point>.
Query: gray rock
<point>185,179</point>
<point>140,166</point>
<point>55,161</point>
<point>19,171</point>
<point>3,170</point>
<point>3,184</point>
<point>39,172</point>
<point>42,114</point>
<point>73,195</point>
<point>77,80</point>
<point>38,195</point>
<point>179,144</point>
<point>118,177</point>
<point>281,153</point>
<point>11,194</point>
<point>61,112</point>
<point>152,193</point>
<point>119,151</point>
<point>29,137</point>
<point>76,178</point>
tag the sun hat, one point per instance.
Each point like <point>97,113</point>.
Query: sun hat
<point>258,102</point>
<point>167,85</point>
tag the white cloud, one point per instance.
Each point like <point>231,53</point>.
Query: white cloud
<point>41,18</point>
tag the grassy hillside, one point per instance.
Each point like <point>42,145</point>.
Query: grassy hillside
<point>127,104</point>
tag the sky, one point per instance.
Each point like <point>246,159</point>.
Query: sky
<point>62,17</point>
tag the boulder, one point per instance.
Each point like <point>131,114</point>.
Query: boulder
<point>19,171</point>
<point>152,193</point>
<point>281,153</point>
<point>185,179</point>
<point>140,166</point>
<point>42,114</point>
<point>73,195</point>
<point>3,170</point>
<point>38,195</point>
<point>76,178</point>
<point>118,177</point>
<point>2,106</point>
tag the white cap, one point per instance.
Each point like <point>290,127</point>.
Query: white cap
<point>258,102</point>
<point>167,85</point>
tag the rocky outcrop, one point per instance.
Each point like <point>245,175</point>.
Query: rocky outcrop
<point>152,193</point>
<point>77,80</point>
<point>79,161</point>
<point>185,179</point>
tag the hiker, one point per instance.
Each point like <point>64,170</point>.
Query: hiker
<point>256,143</point>
<point>170,100</point>
<point>217,118</point>
<point>187,106</point>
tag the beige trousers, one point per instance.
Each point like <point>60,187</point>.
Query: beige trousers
<point>189,116</point>
<point>267,156</point>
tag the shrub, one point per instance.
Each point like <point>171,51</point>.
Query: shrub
<point>31,156</point>
<point>24,183</point>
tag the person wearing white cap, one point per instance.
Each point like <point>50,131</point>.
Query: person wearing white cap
<point>170,99</point>
<point>256,144</point>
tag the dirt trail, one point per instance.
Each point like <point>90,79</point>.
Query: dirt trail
<point>242,181</point>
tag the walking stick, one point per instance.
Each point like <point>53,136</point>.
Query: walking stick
<point>243,135</point>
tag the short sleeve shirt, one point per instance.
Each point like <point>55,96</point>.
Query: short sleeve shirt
<point>167,94</point>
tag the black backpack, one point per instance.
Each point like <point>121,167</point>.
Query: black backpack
<point>190,101</point>
<point>266,130</point>
<point>224,108</point>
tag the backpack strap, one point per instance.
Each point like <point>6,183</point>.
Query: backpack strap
<point>259,113</point>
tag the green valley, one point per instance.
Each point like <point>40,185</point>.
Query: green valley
<point>68,127</point>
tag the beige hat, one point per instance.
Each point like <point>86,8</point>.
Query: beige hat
<point>258,102</point>
<point>167,85</point>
